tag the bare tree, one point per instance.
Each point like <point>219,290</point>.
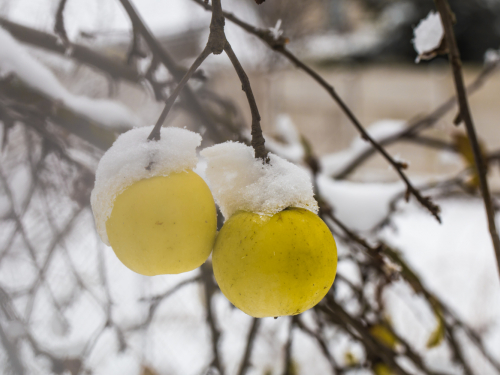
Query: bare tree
<point>47,225</point>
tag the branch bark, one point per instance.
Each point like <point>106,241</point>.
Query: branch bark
<point>465,114</point>
<point>257,137</point>
<point>178,72</point>
<point>59,28</point>
<point>279,45</point>
<point>79,53</point>
<point>245,363</point>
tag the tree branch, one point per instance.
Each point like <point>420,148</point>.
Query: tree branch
<point>210,287</point>
<point>465,114</point>
<point>278,44</point>
<point>257,137</point>
<point>59,28</point>
<point>420,124</point>
<point>245,362</point>
<point>79,53</point>
<point>155,133</point>
<point>178,72</point>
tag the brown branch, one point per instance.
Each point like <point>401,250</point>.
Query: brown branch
<point>287,366</point>
<point>279,46</point>
<point>13,358</point>
<point>349,323</point>
<point>465,114</point>
<point>257,137</point>
<point>156,300</point>
<point>216,44</point>
<point>178,72</point>
<point>155,133</point>
<point>419,124</point>
<point>245,362</point>
<point>59,28</point>
<point>322,343</point>
<point>210,287</point>
<point>25,104</point>
<point>79,53</point>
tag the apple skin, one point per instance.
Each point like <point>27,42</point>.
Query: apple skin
<point>163,224</point>
<point>275,266</point>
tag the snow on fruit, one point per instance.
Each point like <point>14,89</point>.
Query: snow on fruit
<point>274,256</point>
<point>155,212</point>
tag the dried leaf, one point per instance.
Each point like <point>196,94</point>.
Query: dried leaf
<point>384,336</point>
<point>462,144</point>
<point>350,359</point>
<point>437,336</point>
<point>382,369</point>
<point>148,371</point>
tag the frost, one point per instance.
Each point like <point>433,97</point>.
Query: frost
<point>132,158</point>
<point>428,35</point>
<point>14,58</point>
<point>241,182</point>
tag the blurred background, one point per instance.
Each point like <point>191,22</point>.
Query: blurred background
<point>418,297</point>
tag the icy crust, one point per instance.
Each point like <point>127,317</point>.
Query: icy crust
<point>132,158</point>
<point>428,34</point>
<point>240,182</point>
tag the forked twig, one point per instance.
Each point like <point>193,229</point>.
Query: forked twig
<point>279,45</point>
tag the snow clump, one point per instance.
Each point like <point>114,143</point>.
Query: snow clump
<point>428,35</point>
<point>240,182</point>
<point>132,158</point>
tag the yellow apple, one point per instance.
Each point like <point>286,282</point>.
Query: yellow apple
<point>275,266</point>
<point>163,224</point>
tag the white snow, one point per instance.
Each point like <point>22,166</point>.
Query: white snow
<point>360,206</point>
<point>456,261</point>
<point>15,58</point>
<point>428,34</point>
<point>491,56</point>
<point>126,161</point>
<point>241,182</point>
<point>379,130</point>
<point>291,146</point>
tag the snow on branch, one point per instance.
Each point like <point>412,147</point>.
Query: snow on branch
<point>429,35</point>
<point>15,59</point>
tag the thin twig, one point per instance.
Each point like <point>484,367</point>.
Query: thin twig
<point>279,45</point>
<point>59,28</point>
<point>465,114</point>
<point>257,137</point>
<point>245,362</point>
<point>419,124</point>
<point>177,71</point>
<point>287,365</point>
<point>155,133</point>
<point>210,287</point>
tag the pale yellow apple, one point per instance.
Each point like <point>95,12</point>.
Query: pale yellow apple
<point>275,266</point>
<point>164,224</point>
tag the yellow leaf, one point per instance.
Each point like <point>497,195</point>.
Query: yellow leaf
<point>148,371</point>
<point>438,334</point>
<point>382,369</point>
<point>350,359</point>
<point>384,336</point>
<point>462,144</point>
